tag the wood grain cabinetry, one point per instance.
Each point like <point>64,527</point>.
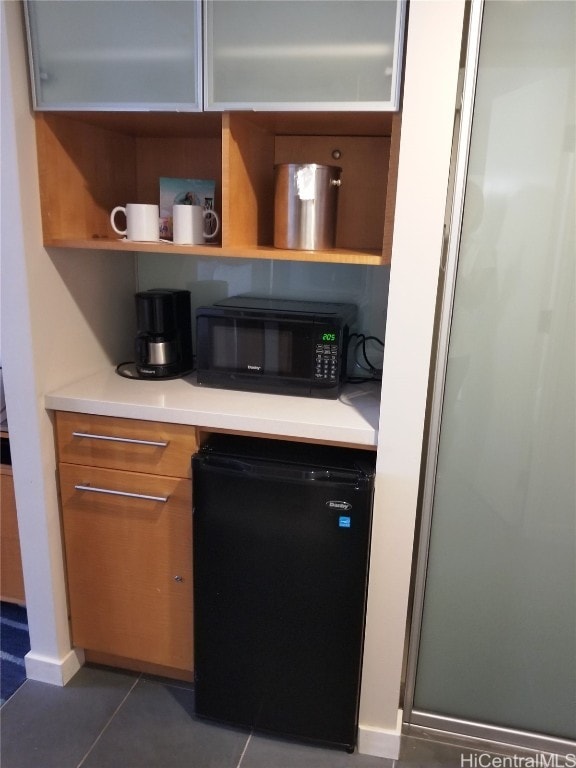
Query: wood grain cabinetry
<point>90,162</point>
<point>137,446</point>
<point>11,578</point>
<point>126,499</point>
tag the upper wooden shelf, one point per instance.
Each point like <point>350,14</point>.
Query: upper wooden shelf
<point>209,124</point>
<point>91,162</point>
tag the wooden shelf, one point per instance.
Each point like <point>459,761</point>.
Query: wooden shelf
<point>337,255</point>
<point>91,162</point>
<point>209,124</point>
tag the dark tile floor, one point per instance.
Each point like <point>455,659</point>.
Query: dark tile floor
<point>107,718</point>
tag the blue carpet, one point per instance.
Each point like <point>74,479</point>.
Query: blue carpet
<point>14,645</point>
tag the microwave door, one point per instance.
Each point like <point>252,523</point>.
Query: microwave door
<point>250,348</point>
<point>275,349</point>
<point>254,352</point>
<point>288,353</point>
<point>278,350</point>
<point>222,348</point>
<point>237,346</point>
<point>268,348</point>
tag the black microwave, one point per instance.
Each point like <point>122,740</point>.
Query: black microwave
<point>274,345</point>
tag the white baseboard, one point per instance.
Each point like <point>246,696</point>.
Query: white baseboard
<point>380,742</point>
<point>47,669</point>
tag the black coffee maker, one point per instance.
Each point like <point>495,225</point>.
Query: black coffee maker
<point>164,339</point>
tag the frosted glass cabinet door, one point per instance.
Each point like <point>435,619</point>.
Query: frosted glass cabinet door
<point>289,54</point>
<point>115,54</point>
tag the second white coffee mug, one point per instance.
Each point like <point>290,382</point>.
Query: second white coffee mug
<point>193,224</point>
<point>142,221</point>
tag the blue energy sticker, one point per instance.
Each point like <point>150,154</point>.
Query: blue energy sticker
<point>344,521</point>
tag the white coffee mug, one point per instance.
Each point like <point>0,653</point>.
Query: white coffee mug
<point>142,221</point>
<point>190,224</point>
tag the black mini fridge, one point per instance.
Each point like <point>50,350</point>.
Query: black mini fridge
<point>281,544</point>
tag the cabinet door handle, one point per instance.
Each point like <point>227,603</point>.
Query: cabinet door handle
<point>94,489</point>
<point>156,444</point>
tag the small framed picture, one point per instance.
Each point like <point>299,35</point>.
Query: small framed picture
<point>182,192</point>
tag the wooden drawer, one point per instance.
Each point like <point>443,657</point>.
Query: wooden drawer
<point>129,563</point>
<point>11,579</point>
<point>139,446</point>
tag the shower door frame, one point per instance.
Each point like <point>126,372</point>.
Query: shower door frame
<point>417,721</point>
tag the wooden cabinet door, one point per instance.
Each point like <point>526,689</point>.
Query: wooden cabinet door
<point>128,540</point>
<point>11,578</point>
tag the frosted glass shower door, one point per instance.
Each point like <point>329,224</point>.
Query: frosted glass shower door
<point>497,642</point>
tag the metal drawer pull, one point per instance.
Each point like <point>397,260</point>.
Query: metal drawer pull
<point>94,489</point>
<point>121,439</point>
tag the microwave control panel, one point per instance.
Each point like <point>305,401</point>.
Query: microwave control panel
<point>326,357</point>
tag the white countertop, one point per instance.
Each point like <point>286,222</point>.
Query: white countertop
<point>353,418</point>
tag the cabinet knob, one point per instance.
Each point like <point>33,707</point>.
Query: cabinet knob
<point>178,578</point>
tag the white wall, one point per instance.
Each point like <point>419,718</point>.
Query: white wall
<point>430,90</point>
<point>61,315</point>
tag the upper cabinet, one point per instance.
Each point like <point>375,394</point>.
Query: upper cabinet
<point>115,54</point>
<point>294,55</point>
<point>115,84</point>
<point>269,55</point>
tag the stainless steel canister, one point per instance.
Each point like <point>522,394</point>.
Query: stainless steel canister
<point>305,206</point>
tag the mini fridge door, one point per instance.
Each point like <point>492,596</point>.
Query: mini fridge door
<point>280,572</point>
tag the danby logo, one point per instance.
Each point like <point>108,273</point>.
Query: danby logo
<point>343,505</point>
<point>254,367</point>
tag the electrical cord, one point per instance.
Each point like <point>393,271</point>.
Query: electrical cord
<point>373,373</point>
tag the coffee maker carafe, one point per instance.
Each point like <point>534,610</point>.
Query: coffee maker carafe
<point>164,339</point>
